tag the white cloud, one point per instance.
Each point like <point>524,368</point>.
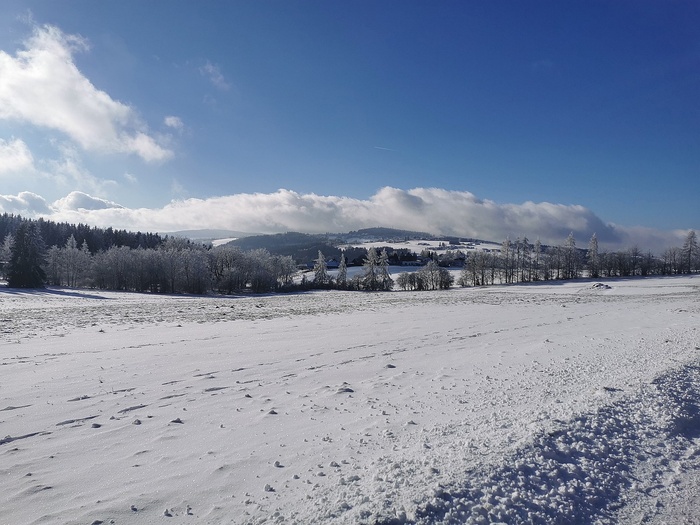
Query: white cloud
<point>41,85</point>
<point>177,189</point>
<point>424,209</point>
<point>15,157</point>
<point>77,201</point>
<point>26,203</point>
<point>69,171</point>
<point>174,122</point>
<point>213,73</point>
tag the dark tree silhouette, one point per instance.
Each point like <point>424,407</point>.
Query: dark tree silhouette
<point>27,258</point>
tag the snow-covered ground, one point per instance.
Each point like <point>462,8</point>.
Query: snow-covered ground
<point>572,402</point>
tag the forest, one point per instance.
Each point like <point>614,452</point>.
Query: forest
<point>35,253</point>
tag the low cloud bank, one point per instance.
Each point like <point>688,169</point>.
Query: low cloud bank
<point>433,210</point>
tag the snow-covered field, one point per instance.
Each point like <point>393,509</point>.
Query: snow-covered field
<point>572,402</point>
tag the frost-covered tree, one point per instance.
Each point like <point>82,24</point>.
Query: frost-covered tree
<point>506,261</point>
<point>433,277</point>
<point>537,260</point>
<point>552,263</point>
<point>5,253</point>
<point>376,271</point>
<point>195,275</point>
<point>634,259</point>
<point>526,263</point>
<point>171,254</point>
<point>260,271</point>
<point>468,274</point>
<point>321,277</point>
<point>145,276</point>
<point>75,261</point>
<point>647,264</point>
<point>370,275</point>
<point>27,258</point>
<point>284,269</point>
<point>570,258</point>
<point>226,263</point>
<point>114,269</point>
<point>403,281</point>
<point>430,276</point>
<point>690,252</point>
<point>386,283</point>
<point>342,277</point>
<point>53,266</point>
<point>593,258</point>
<point>671,261</point>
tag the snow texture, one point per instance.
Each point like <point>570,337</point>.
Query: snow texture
<point>571,402</point>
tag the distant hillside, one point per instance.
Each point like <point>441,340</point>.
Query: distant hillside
<point>279,240</point>
<point>208,235</point>
<point>303,247</point>
<point>386,234</point>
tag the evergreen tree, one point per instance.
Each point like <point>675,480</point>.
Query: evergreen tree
<point>27,258</point>
<point>370,278</point>
<point>386,283</point>
<point>342,278</point>
<point>6,253</point>
<point>321,277</point>
<point>570,258</point>
<point>593,258</point>
<point>690,251</point>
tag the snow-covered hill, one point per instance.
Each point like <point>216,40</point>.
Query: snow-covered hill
<point>564,402</point>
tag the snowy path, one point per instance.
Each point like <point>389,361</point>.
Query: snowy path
<point>552,403</point>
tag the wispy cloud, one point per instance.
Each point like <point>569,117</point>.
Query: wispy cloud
<point>15,157</point>
<point>42,86</point>
<point>174,122</point>
<point>213,73</point>
<point>68,171</point>
<point>177,189</point>
<point>425,209</point>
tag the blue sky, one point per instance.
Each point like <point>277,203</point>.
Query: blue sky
<point>489,118</point>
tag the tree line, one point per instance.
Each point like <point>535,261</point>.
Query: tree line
<point>176,266</point>
<point>150,263</point>
<point>522,262</point>
<point>96,239</point>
